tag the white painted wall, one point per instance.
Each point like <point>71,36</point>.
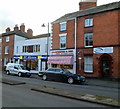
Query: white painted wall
<point>20,42</point>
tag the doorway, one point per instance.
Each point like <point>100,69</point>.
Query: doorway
<point>105,61</point>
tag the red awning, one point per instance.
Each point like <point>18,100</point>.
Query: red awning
<point>60,60</point>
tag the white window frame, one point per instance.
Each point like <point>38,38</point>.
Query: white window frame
<point>63,26</point>
<point>85,35</point>
<point>88,64</point>
<point>5,61</point>
<point>61,36</point>
<point>0,40</point>
<point>88,22</point>
<point>6,49</point>
<point>7,39</point>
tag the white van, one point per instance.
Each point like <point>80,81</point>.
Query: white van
<point>14,68</point>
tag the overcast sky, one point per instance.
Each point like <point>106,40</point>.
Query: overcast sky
<point>33,13</point>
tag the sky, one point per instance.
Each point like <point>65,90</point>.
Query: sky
<point>33,13</point>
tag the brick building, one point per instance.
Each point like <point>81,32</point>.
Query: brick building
<point>8,41</point>
<point>92,35</point>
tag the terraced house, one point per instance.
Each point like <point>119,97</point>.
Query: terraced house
<point>87,42</point>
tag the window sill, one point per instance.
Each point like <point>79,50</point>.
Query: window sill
<point>88,72</point>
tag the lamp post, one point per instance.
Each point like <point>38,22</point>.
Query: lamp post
<point>47,43</point>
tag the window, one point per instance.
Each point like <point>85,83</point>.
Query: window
<point>17,49</point>
<point>6,49</point>
<point>7,39</point>
<point>88,39</point>
<point>63,26</point>
<point>88,22</point>
<point>62,42</point>
<point>88,64</point>
<point>5,61</point>
<point>0,40</point>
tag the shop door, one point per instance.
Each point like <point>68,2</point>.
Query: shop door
<point>106,67</point>
<point>43,65</point>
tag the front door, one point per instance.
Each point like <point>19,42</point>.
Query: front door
<point>106,66</point>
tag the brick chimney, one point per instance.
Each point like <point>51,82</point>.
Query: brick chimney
<point>22,27</point>
<point>30,31</point>
<point>16,28</point>
<point>85,4</point>
<point>8,29</point>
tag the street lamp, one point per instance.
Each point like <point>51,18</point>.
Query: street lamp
<point>43,25</point>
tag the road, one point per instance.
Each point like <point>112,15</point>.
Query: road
<point>95,90</point>
<point>18,96</point>
<point>22,96</point>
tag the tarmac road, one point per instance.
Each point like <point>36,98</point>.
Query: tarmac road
<point>83,89</point>
<point>18,96</point>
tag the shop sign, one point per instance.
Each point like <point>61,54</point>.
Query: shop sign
<point>103,50</point>
<point>29,57</point>
<point>64,52</point>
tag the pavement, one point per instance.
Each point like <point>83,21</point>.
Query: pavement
<point>77,96</point>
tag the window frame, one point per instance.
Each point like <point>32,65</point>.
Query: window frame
<point>61,42</point>
<point>7,39</point>
<point>88,40</point>
<point>63,26</point>
<point>88,63</point>
<point>6,49</point>
<point>88,22</point>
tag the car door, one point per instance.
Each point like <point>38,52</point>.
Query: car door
<point>58,74</point>
<point>15,71</point>
<point>51,73</point>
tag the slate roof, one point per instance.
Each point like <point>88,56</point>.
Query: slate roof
<point>90,11</point>
<point>41,36</point>
<point>18,32</point>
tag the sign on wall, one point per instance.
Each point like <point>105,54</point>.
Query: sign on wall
<point>103,50</point>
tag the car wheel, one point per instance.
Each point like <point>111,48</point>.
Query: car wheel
<point>19,74</point>
<point>7,72</point>
<point>70,80</point>
<point>44,77</point>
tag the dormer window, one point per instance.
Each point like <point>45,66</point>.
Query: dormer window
<point>63,26</point>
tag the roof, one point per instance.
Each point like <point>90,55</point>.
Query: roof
<point>40,36</point>
<point>18,32</point>
<point>90,11</point>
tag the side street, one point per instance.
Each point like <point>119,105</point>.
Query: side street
<point>75,64</point>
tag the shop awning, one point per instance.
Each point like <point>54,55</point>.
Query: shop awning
<point>60,60</point>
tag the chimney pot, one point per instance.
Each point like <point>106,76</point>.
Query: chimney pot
<point>8,29</point>
<point>30,31</point>
<point>22,27</point>
<point>16,27</point>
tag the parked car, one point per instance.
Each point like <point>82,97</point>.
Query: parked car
<point>14,68</point>
<point>61,74</point>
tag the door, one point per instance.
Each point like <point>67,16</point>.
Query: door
<point>106,66</point>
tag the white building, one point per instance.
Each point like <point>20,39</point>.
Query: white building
<point>32,53</point>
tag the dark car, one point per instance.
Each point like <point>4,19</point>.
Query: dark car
<point>62,75</point>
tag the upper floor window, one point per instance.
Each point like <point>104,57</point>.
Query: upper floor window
<point>63,41</point>
<point>88,39</point>
<point>6,49</point>
<point>63,26</point>
<point>7,39</point>
<point>88,22</point>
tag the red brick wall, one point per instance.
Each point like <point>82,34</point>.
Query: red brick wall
<point>11,47</point>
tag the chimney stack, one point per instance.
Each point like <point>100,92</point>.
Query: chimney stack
<point>30,31</point>
<point>8,29</point>
<point>16,28</point>
<point>22,27</point>
<point>85,4</point>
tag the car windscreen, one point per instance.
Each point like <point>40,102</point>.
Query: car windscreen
<point>22,67</point>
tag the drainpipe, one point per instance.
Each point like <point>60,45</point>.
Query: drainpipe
<point>75,46</point>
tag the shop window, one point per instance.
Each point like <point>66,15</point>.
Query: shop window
<point>88,64</point>
<point>88,39</point>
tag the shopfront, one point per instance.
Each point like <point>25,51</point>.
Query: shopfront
<point>37,63</point>
<point>62,59</point>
